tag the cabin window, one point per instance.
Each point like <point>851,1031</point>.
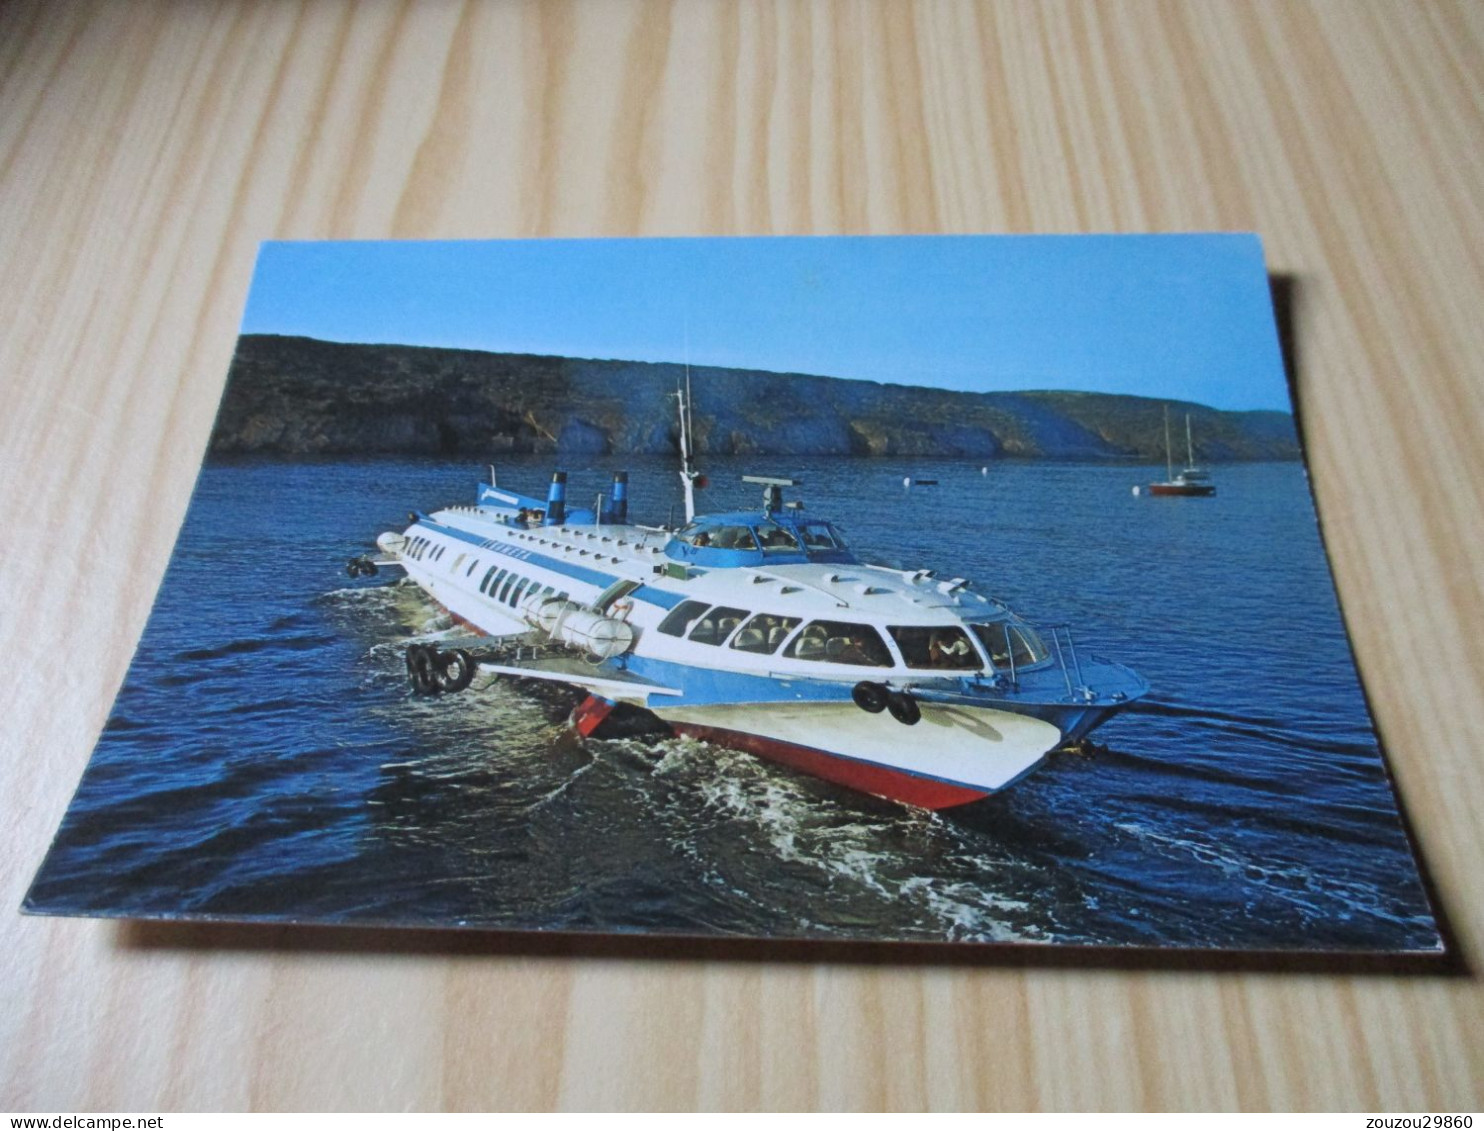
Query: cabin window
<point>519,589</point>
<point>764,633</point>
<point>733,538</point>
<point>507,585</point>
<point>839,642</point>
<point>1006,642</point>
<point>932,647</point>
<point>682,616</point>
<point>775,537</point>
<point>484,586</point>
<point>822,536</point>
<point>472,567</point>
<point>717,625</point>
<point>458,561</point>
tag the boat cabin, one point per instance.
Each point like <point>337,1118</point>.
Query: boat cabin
<point>746,538</point>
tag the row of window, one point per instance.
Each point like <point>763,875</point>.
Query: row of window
<point>844,642</point>
<point>510,587</point>
<point>421,547</point>
<point>765,535</point>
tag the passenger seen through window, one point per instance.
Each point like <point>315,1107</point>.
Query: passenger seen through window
<point>775,537</point>
<point>839,642</point>
<point>946,647</point>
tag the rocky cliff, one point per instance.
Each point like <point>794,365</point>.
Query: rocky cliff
<point>301,396</point>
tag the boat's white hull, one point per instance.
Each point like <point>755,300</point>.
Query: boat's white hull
<point>954,755</point>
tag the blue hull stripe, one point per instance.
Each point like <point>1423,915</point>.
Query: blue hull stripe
<point>711,686</point>
<point>653,596</point>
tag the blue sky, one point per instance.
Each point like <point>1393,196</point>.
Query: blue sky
<point>1179,316</point>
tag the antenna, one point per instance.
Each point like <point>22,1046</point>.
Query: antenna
<point>772,490</point>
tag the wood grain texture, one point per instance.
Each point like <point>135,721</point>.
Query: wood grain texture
<point>145,148</point>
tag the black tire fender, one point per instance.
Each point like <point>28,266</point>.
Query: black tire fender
<point>455,669</point>
<point>872,697</point>
<point>904,708</point>
<point>422,668</point>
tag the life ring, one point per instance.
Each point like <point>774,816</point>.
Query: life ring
<point>872,697</point>
<point>455,669</point>
<point>904,708</point>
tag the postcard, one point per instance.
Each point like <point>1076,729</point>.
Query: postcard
<point>930,589</point>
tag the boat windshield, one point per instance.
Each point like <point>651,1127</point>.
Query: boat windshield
<point>1006,642</point>
<point>775,537</point>
<point>718,537</point>
<point>822,536</point>
<point>941,648</point>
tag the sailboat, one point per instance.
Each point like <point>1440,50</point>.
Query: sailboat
<point>1193,480</point>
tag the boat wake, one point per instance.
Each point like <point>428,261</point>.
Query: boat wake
<point>839,864</point>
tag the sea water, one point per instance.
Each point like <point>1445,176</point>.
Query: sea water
<point>266,757</point>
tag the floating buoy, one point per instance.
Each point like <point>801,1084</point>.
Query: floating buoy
<point>1137,492</point>
<point>907,482</point>
<point>984,471</point>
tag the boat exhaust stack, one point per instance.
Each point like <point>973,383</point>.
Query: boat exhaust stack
<point>620,506</point>
<point>556,500</point>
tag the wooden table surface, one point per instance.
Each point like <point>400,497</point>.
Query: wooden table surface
<point>145,148</point>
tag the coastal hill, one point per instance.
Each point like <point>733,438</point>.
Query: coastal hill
<point>302,396</point>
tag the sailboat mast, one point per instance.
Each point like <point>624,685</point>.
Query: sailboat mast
<point>1169,459</point>
<point>1189,449</point>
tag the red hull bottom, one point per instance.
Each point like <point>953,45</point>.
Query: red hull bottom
<point>893,785</point>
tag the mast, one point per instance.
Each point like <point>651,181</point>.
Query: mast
<point>1189,450</point>
<point>1169,459</point>
<point>688,474</point>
